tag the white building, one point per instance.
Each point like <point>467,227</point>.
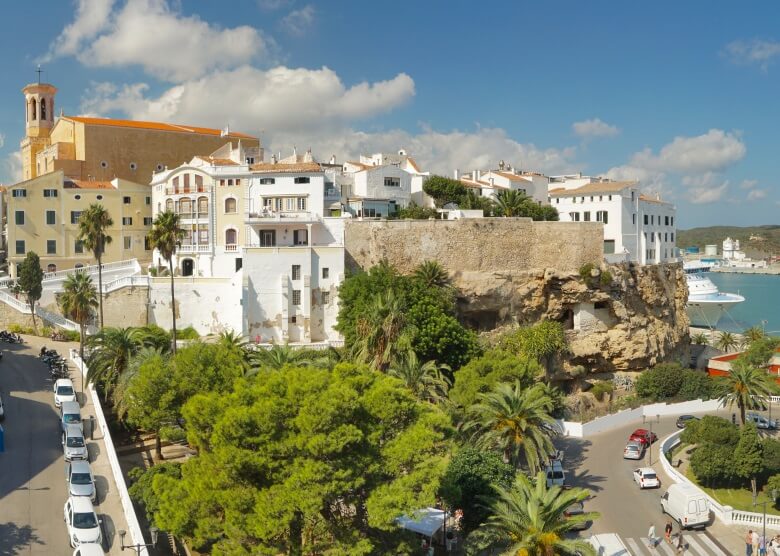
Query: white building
<point>260,232</point>
<point>733,257</point>
<point>637,227</point>
<point>489,183</point>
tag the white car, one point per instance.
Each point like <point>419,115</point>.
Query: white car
<point>645,477</point>
<point>89,549</point>
<point>64,391</point>
<point>80,480</point>
<point>633,450</point>
<point>82,522</point>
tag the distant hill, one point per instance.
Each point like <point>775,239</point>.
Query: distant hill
<point>757,241</point>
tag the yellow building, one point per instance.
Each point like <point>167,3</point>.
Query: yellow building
<point>101,160</point>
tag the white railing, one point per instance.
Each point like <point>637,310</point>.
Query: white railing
<point>125,281</point>
<point>54,318</point>
<point>92,269</point>
<point>231,247</point>
<point>200,248</point>
<point>124,496</point>
<point>17,304</point>
<point>279,216</point>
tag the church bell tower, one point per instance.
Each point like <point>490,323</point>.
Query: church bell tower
<point>39,119</point>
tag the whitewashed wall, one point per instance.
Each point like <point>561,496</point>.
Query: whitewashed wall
<point>210,305</point>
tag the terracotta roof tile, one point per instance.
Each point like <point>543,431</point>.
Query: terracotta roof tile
<point>652,200</point>
<point>588,188</point>
<point>85,184</point>
<point>269,168</point>
<point>218,161</point>
<point>512,177</point>
<point>159,126</point>
<point>360,164</point>
<point>413,164</point>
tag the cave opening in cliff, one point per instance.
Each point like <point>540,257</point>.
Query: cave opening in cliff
<point>567,319</point>
<point>481,321</point>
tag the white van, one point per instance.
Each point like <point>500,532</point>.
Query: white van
<point>687,505</point>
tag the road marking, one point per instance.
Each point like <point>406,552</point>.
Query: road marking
<point>691,540</point>
<point>712,546</point>
<point>665,548</point>
<point>634,547</point>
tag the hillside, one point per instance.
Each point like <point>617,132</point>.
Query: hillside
<point>757,241</point>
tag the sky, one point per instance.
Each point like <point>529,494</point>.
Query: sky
<point>682,96</point>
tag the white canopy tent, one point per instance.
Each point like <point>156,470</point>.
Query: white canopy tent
<point>425,522</point>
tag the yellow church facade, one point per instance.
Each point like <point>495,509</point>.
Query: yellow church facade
<point>69,162</point>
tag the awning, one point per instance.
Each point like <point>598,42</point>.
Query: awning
<point>426,522</point>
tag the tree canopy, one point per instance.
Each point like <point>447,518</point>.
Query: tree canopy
<point>444,190</point>
<point>30,280</point>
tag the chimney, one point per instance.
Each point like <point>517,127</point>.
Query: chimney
<point>456,174</point>
<point>476,175</point>
<point>333,159</point>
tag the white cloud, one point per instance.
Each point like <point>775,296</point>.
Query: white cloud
<point>709,152</point>
<point>756,194</point>
<point>272,5</point>
<point>748,184</point>
<point>2,140</point>
<point>92,17</point>
<point>297,22</point>
<point>755,52</point>
<point>167,44</point>
<point>594,128</point>
<point>251,99</point>
<point>709,194</point>
<point>11,168</point>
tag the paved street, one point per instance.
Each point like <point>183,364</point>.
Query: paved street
<point>597,463</point>
<point>32,479</point>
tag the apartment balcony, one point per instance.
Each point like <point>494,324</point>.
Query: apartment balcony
<point>193,215</point>
<point>181,190</point>
<point>197,248</point>
<point>231,248</point>
<point>281,216</point>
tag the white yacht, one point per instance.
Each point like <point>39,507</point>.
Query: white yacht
<point>705,303</point>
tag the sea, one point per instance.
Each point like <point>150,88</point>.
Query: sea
<point>762,301</point>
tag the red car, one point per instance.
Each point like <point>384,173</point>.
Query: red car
<point>644,436</point>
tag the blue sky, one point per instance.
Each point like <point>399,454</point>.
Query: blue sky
<point>680,95</point>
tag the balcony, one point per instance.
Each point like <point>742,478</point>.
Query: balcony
<point>270,216</point>
<point>231,248</point>
<point>332,193</point>
<point>193,215</point>
<point>197,248</point>
<point>187,190</point>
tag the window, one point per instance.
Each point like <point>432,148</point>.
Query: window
<point>126,200</point>
<point>575,216</point>
<point>78,247</point>
<point>49,192</point>
<point>230,205</point>
<point>203,205</point>
<point>666,236</point>
<point>632,195</point>
<point>609,246</point>
<point>296,272</point>
<point>230,237</point>
<point>19,193</point>
<point>147,220</point>
<point>239,263</point>
<point>230,182</point>
<point>267,238</point>
<point>51,217</point>
<point>672,234</point>
<point>290,203</point>
<point>586,216</point>
<point>302,180</point>
<point>557,201</point>
<point>591,197</point>
<point>20,250</point>
<point>103,164</point>
<point>176,182</point>
<point>633,218</point>
<point>169,205</point>
<point>301,203</point>
<point>609,197</point>
<point>602,216</point>
<point>147,244</point>
<point>296,297</point>
<point>221,182</point>
<point>392,182</point>
<point>325,298</point>
<point>666,220</point>
<point>186,183</point>
<point>300,237</point>
<point>77,197</point>
<point>19,218</point>
<point>148,200</point>
<point>652,219</point>
<point>293,319</point>
<point>127,221</point>
<point>325,273</point>
<point>51,246</point>
<point>672,220</point>
<point>267,181</point>
<point>238,181</point>
<point>100,197</point>
<point>198,180</point>
<point>133,166</point>
<point>646,220</point>
<point>127,241</point>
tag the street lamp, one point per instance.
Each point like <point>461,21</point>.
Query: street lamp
<point>137,547</point>
<point>773,493</point>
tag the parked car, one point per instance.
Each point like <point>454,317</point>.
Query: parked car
<point>645,477</point>
<point>80,480</point>
<point>760,421</point>
<point>578,508</point>
<point>89,549</point>
<point>644,436</point>
<point>683,420</point>
<point>555,474</point>
<point>82,522</point>
<point>64,391</point>
<point>70,414</point>
<point>73,444</point>
<point>634,450</point>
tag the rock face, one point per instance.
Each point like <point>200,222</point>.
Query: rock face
<point>633,322</point>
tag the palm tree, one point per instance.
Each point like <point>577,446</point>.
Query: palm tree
<point>475,201</point>
<point>425,380</point>
<point>432,274</point>
<point>78,301</point>
<point>93,225</point>
<point>516,421</point>
<point>121,401</point>
<point>110,354</point>
<point>382,331</point>
<point>509,202</point>
<point>746,386</point>
<point>752,334</point>
<point>530,519</point>
<point>700,339</point>
<point>726,342</point>
<point>279,356</point>
<point>165,236</point>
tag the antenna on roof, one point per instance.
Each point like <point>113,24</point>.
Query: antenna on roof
<point>39,71</point>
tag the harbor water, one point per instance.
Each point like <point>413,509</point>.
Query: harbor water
<point>762,301</point>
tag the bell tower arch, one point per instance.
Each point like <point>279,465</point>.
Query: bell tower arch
<point>39,119</point>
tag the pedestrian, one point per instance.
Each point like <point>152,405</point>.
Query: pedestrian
<point>749,543</point>
<point>651,536</point>
<point>668,532</point>
<point>754,537</point>
<point>761,545</point>
<point>680,543</point>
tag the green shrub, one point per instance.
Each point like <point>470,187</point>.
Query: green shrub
<point>188,333</point>
<point>72,335</point>
<point>713,464</point>
<point>20,329</point>
<point>662,382</point>
<point>602,388</point>
<point>415,212</point>
<point>45,331</point>
<point>585,272</point>
<point>711,430</point>
<point>578,371</point>
<point>696,385</point>
<point>606,278</point>
<point>773,483</point>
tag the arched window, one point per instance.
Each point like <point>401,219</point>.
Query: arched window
<point>230,205</point>
<point>51,268</point>
<point>203,205</point>
<point>34,109</point>
<point>230,236</point>
<point>159,207</point>
<point>185,206</point>
<point>43,108</point>
<point>169,205</point>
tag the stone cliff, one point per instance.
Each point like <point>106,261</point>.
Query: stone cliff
<point>512,271</point>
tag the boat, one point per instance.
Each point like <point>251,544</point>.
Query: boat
<point>706,304</point>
